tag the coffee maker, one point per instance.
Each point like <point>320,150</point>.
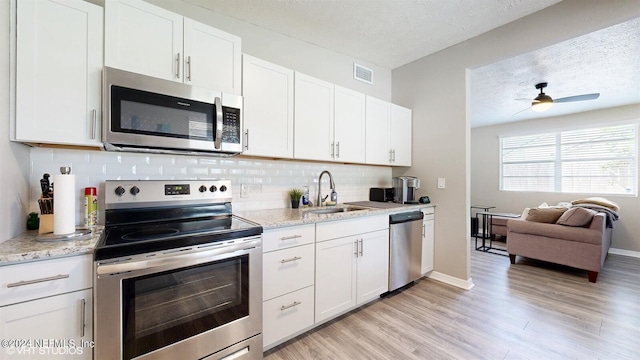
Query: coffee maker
<point>405,189</point>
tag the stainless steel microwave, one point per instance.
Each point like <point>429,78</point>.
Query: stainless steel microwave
<point>147,114</point>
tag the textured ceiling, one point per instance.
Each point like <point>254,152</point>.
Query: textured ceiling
<point>388,33</point>
<point>606,62</point>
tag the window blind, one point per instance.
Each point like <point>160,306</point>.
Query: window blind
<point>599,160</point>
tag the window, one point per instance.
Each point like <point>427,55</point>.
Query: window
<point>597,160</point>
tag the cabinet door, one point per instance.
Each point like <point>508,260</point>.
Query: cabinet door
<point>58,67</point>
<point>335,276</point>
<point>211,57</point>
<point>313,118</point>
<point>60,318</point>
<point>268,108</point>
<point>349,125</point>
<point>427,243</point>
<point>373,265</point>
<point>400,135</point>
<point>144,39</point>
<point>377,131</point>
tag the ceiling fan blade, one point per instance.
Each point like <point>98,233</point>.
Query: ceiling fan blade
<point>523,99</point>
<point>577,98</point>
<point>521,111</point>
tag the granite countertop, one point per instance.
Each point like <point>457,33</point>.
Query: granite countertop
<point>274,218</point>
<point>24,247</point>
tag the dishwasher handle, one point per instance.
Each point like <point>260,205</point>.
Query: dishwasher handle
<point>405,217</point>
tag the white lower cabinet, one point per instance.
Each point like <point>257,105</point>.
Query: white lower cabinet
<point>286,315</point>
<point>288,266</point>
<point>428,240</point>
<point>50,304</point>
<point>352,269</point>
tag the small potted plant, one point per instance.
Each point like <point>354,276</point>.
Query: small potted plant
<point>295,194</point>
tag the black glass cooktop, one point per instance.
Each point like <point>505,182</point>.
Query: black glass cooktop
<point>126,240</point>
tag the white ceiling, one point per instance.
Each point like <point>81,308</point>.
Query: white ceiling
<point>392,33</point>
<point>606,62</point>
<point>388,33</point>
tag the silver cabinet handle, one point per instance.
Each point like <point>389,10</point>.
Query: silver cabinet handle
<point>423,230</point>
<point>333,150</point>
<point>361,247</point>
<point>188,68</point>
<point>290,237</point>
<point>357,248</point>
<point>338,149</point>
<point>178,66</point>
<point>390,158</point>
<point>246,142</point>
<point>94,123</point>
<point>29,282</point>
<point>218,141</point>
<point>394,155</point>
<point>285,307</point>
<point>284,261</point>
<point>83,304</point>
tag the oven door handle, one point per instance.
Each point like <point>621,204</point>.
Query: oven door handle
<point>218,141</point>
<point>173,259</point>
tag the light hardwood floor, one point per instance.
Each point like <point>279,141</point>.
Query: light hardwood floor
<point>530,310</point>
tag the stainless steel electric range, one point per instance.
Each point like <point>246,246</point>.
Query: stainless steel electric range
<point>177,275</point>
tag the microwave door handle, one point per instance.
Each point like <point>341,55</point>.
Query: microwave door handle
<point>218,141</point>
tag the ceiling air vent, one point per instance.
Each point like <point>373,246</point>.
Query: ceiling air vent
<point>362,73</point>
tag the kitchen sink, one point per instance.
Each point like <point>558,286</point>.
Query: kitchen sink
<point>336,210</point>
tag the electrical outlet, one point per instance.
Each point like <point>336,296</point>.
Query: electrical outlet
<point>441,183</point>
<point>244,190</point>
<point>248,189</point>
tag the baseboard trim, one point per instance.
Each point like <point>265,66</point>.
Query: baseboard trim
<point>448,279</point>
<point>635,254</point>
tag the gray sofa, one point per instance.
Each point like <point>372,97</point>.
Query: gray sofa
<point>580,247</point>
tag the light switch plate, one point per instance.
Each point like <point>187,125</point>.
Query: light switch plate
<point>441,183</point>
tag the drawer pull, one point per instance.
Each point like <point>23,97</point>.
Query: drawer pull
<point>29,282</point>
<point>284,261</point>
<point>285,307</point>
<point>290,237</point>
<point>83,323</point>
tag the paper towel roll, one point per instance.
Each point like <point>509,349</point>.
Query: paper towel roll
<point>64,204</point>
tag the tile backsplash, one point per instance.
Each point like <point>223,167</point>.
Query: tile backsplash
<point>264,181</point>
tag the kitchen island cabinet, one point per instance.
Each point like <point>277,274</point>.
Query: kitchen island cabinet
<point>352,264</point>
<point>146,39</point>
<point>58,72</point>
<point>49,300</point>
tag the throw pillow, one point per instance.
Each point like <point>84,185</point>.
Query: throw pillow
<point>545,215</point>
<point>576,216</point>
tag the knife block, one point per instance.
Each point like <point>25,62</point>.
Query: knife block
<point>46,224</point>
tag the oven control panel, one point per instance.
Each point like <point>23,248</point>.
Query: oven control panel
<point>130,193</point>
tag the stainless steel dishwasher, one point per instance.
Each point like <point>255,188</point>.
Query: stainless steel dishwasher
<point>405,249</point>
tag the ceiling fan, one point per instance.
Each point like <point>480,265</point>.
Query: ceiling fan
<point>543,102</point>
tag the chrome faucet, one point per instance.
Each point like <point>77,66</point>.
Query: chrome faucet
<point>331,184</point>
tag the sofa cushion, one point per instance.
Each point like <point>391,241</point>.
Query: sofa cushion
<point>545,215</point>
<point>576,217</point>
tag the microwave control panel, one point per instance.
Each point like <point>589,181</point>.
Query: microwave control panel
<point>231,125</point>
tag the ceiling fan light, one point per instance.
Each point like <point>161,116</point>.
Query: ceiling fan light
<point>541,106</point>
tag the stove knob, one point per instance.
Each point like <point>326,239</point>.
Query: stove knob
<point>202,188</point>
<point>134,190</point>
<point>213,188</point>
<point>223,188</point>
<point>120,191</point>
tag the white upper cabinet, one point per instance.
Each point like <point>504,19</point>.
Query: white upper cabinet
<point>58,72</point>
<point>149,40</point>
<point>400,135</point>
<point>268,108</point>
<point>349,126</point>
<point>313,130</point>
<point>388,133</point>
<point>377,132</point>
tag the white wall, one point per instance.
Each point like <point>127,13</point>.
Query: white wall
<point>485,169</point>
<point>14,158</point>
<point>436,88</point>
